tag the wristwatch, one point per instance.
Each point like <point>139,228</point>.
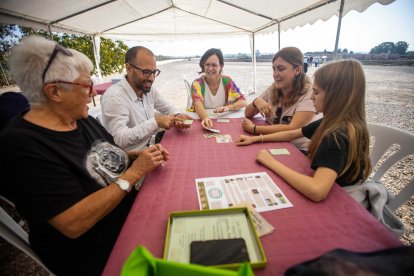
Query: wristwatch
<point>123,184</point>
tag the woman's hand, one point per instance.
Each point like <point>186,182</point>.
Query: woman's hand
<point>245,140</point>
<point>263,107</point>
<point>221,109</point>
<point>207,122</point>
<point>265,158</point>
<point>248,125</point>
<point>148,160</point>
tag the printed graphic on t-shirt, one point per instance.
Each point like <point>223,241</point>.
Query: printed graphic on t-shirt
<point>106,162</point>
<point>286,120</point>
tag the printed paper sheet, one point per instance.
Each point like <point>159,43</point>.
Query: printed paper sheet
<point>258,189</point>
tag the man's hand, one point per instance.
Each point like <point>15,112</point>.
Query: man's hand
<point>180,119</point>
<point>165,121</point>
<point>248,125</point>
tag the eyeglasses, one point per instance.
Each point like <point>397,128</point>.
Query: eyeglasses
<point>214,65</point>
<point>278,114</point>
<point>57,49</point>
<point>146,72</point>
<point>90,85</point>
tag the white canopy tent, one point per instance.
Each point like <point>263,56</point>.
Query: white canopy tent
<point>162,20</point>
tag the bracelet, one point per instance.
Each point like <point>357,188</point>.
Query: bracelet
<point>254,130</point>
<point>261,136</point>
<point>254,104</point>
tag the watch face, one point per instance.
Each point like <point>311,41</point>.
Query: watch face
<point>123,184</point>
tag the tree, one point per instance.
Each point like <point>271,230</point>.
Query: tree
<point>401,47</point>
<point>390,48</point>
<point>345,51</point>
<point>8,38</point>
<point>112,52</point>
<point>385,47</point>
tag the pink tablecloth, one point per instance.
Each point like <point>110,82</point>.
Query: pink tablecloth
<point>101,88</point>
<point>303,232</point>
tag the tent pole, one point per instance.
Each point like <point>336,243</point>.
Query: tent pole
<point>254,63</point>
<point>96,42</point>
<point>252,41</point>
<point>278,35</point>
<point>338,30</point>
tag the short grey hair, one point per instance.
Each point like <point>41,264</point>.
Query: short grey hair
<point>29,58</point>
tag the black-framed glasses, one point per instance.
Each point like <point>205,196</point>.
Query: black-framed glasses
<point>90,85</point>
<point>57,49</point>
<point>146,72</point>
<point>278,114</point>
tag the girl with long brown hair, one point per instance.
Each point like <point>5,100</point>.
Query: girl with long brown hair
<point>339,147</point>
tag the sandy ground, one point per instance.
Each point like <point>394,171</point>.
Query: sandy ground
<point>389,100</point>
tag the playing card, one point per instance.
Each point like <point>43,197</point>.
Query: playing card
<point>223,120</point>
<point>224,138</point>
<point>279,152</point>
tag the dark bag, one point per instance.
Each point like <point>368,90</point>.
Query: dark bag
<point>395,261</point>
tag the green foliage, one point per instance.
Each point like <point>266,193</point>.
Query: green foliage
<point>390,48</point>
<point>112,52</point>
<point>401,47</point>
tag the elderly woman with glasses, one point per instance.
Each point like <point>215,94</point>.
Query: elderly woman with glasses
<point>214,90</point>
<point>287,103</point>
<point>60,167</point>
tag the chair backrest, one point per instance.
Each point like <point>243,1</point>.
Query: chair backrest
<point>188,87</point>
<point>385,138</point>
<point>11,231</point>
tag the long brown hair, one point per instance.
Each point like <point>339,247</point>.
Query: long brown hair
<point>301,83</point>
<point>344,112</point>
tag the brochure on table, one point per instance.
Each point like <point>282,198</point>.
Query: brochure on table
<point>257,189</point>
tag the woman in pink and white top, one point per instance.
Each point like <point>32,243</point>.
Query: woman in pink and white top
<point>214,90</point>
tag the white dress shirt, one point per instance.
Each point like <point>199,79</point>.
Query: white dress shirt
<point>130,119</point>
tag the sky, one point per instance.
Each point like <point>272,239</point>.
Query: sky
<point>360,32</point>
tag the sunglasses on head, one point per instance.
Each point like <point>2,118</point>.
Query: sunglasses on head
<point>57,49</point>
<point>278,114</point>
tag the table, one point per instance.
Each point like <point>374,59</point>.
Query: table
<point>101,88</point>
<point>301,233</point>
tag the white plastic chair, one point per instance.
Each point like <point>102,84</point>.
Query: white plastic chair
<point>188,87</point>
<point>11,231</point>
<point>385,137</point>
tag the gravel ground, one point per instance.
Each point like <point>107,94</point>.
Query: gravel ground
<point>389,101</point>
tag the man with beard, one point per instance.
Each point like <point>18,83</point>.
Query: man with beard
<point>132,110</point>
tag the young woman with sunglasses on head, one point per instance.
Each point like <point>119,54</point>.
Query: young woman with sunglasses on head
<point>287,103</point>
<point>214,90</point>
<point>339,146</point>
